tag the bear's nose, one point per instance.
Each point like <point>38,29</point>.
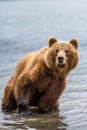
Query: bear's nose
<point>60,59</point>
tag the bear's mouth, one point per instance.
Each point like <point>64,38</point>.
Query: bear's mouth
<point>61,64</point>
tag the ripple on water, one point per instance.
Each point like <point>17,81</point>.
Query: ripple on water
<point>35,121</point>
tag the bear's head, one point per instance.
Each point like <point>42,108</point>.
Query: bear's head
<point>62,56</point>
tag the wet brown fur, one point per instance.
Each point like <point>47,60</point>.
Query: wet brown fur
<point>38,80</point>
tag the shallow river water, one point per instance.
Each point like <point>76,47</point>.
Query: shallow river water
<point>25,26</point>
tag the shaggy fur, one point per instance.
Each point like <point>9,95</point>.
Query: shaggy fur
<point>39,78</point>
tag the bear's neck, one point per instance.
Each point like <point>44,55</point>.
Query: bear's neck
<point>55,73</point>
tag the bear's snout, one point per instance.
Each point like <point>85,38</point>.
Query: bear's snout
<point>60,59</point>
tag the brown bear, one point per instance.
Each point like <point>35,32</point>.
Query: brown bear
<point>40,77</point>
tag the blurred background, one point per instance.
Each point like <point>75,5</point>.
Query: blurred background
<point>25,26</point>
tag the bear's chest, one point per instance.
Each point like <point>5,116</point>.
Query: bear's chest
<point>45,83</point>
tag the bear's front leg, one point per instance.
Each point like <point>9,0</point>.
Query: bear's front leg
<point>45,104</point>
<point>23,95</point>
<point>23,100</point>
<point>23,107</point>
<point>48,99</point>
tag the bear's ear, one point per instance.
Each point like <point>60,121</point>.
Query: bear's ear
<point>74,42</point>
<point>51,41</point>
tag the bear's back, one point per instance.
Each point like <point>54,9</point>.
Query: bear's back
<point>29,61</point>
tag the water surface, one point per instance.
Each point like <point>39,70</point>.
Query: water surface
<point>25,26</point>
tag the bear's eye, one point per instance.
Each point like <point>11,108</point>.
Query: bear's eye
<point>67,51</point>
<point>57,50</point>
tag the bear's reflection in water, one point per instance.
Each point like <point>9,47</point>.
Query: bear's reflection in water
<point>53,120</point>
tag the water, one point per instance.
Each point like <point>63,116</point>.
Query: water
<point>24,27</point>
